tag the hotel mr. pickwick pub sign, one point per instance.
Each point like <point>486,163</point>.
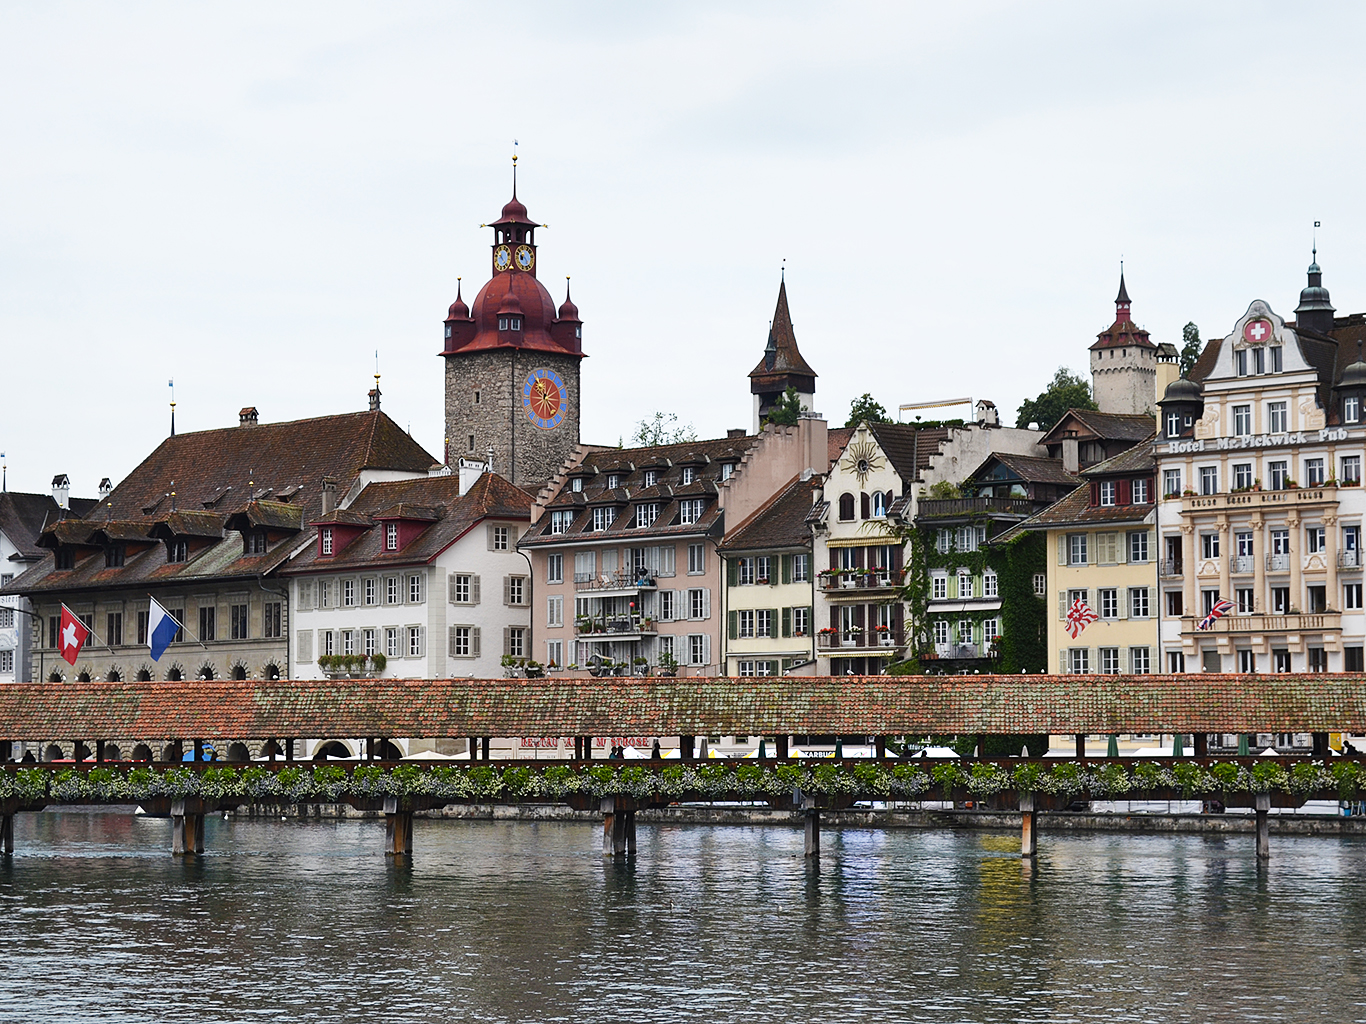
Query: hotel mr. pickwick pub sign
<point>1259,440</point>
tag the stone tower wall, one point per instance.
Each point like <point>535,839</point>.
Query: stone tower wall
<point>1124,380</point>
<point>523,452</point>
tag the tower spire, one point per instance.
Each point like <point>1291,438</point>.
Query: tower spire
<point>1122,314</point>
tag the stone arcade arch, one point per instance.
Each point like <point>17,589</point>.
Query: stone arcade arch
<point>238,752</point>
<point>142,752</point>
<point>53,752</point>
<point>329,749</point>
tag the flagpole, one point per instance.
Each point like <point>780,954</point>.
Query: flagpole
<point>90,629</point>
<point>182,625</point>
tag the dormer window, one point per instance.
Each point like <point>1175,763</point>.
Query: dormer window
<point>1351,409</point>
<point>509,323</point>
<point>254,543</point>
<point>113,556</point>
<point>560,520</point>
<point>727,468</point>
<point>1275,358</point>
<point>66,558</point>
<point>651,477</point>
<point>178,550</point>
<point>646,514</point>
<point>613,481</point>
<point>391,536</point>
<point>1173,424</point>
<point>327,540</point>
<point>576,485</point>
<point>603,517</point>
<point>1107,492</point>
<point>688,474</point>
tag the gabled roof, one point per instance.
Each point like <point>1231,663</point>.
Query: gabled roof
<point>1108,426</point>
<point>1076,509</point>
<point>451,514</point>
<point>908,447</point>
<point>1137,459</point>
<point>836,440</point>
<point>782,360</point>
<point>1031,468</point>
<point>22,517</point>
<point>778,523</point>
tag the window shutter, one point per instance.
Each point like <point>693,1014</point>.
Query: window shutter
<point>1152,611</point>
<point>734,625</point>
<point>732,572</point>
<point>304,647</point>
<point>1126,492</point>
<point>706,648</point>
<point>474,590</point>
<point>784,665</point>
<point>864,505</point>
<point>507,592</point>
<point>1123,602</point>
<point>450,643</point>
<point>1062,604</point>
<point>787,621</point>
<point>1121,548</point>
<point>1062,549</point>
<point>1091,598</point>
<point>422,641</point>
<point>1062,662</point>
<point>706,603</point>
<point>787,568</point>
<point>1123,659</point>
<point>450,588</point>
<point>474,641</point>
<point>488,536</point>
<point>507,639</point>
<point>834,557</point>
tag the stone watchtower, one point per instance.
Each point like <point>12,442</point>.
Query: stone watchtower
<point>781,367</point>
<point>1124,364</point>
<point>512,363</point>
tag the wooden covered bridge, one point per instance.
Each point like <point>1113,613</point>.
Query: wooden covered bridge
<point>171,718</point>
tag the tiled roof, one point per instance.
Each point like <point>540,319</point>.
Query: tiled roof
<point>1034,469</point>
<point>630,465</point>
<point>1137,459</point>
<point>836,439</point>
<point>787,359</point>
<point>1076,509</point>
<point>439,497</point>
<point>868,705</point>
<point>22,517</point>
<point>1108,426</point>
<point>909,448</point>
<point>778,523</point>
<point>1122,334</point>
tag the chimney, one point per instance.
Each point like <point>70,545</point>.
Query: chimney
<point>374,398</point>
<point>329,495</point>
<point>61,490</point>
<point>736,432</point>
<point>247,417</point>
<point>986,414</point>
<point>814,436</point>
<point>1071,458</point>
<point>105,488</point>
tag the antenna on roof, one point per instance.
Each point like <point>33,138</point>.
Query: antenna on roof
<point>4,474</point>
<point>171,384</point>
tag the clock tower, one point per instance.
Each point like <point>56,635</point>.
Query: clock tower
<point>512,362</point>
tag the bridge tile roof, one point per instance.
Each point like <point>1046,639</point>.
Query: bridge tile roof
<point>874,705</point>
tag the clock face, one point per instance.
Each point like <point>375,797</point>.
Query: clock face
<point>502,257</point>
<point>544,398</point>
<point>526,259</point>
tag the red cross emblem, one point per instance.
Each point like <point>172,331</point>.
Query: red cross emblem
<point>1257,331</point>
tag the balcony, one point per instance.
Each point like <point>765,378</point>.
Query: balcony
<point>1243,501</point>
<point>1243,564</point>
<point>953,651</point>
<point>857,640</point>
<point>614,627</point>
<point>1277,563</point>
<point>1170,567</point>
<point>932,508</point>
<point>1349,559</point>
<point>619,581</point>
<point>1317,623</point>
<point>833,581</point>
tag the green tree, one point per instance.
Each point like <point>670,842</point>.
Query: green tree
<point>662,428</point>
<point>1068,391</point>
<point>786,410</point>
<point>865,407</point>
<point>1190,350</point>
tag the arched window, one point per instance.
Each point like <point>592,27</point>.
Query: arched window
<point>175,675</point>
<point>239,672</point>
<point>879,505</point>
<point>846,508</point>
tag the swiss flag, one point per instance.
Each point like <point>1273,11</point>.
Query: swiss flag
<point>71,635</point>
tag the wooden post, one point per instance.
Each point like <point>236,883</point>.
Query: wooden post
<point>289,749</point>
<point>630,833</point>
<point>1081,745</point>
<point>398,829</point>
<point>1263,806</point>
<point>6,835</point>
<point>473,743</point>
<point>99,751</point>
<point>609,826</point>
<point>812,846</point>
<point>1321,748</point>
<point>177,750</point>
<point>487,740</point>
<point>980,749</point>
<point>1029,835</point>
<point>781,744</point>
<point>686,747</point>
<point>1202,744</point>
<point>187,826</point>
<point>198,751</point>
<point>881,748</point>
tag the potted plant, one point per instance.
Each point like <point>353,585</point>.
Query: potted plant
<point>533,669</point>
<point>377,662</point>
<point>668,664</point>
<point>640,665</point>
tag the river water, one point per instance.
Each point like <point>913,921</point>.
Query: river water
<point>504,921</point>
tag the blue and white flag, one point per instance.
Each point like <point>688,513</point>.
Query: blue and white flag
<point>161,629</point>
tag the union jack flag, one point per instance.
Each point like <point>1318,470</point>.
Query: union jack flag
<point>1220,609</point>
<point>1079,616</point>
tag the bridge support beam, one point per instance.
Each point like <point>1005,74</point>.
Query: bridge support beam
<point>618,829</point>
<point>6,835</point>
<point>187,827</point>
<point>1029,834</point>
<point>1263,808</point>
<point>811,848</point>
<point>687,747</point>
<point>398,829</point>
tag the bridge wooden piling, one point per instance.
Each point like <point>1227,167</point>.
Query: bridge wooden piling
<point>398,829</point>
<point>1262,805</point>
<point>6,835</point>
<point>811,847</point>
<point>187,826</point>
<point>1029,833</point>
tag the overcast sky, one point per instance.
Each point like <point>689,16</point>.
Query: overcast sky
<point>253,198</point>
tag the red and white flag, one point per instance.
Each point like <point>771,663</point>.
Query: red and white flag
<point>1079,616</point>
<point>71,635</point>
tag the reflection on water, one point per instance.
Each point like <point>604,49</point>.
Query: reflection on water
<point>503,921</point>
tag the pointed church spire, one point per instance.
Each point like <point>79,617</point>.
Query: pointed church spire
<point>1122,299</point>
<point>782,365</point>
